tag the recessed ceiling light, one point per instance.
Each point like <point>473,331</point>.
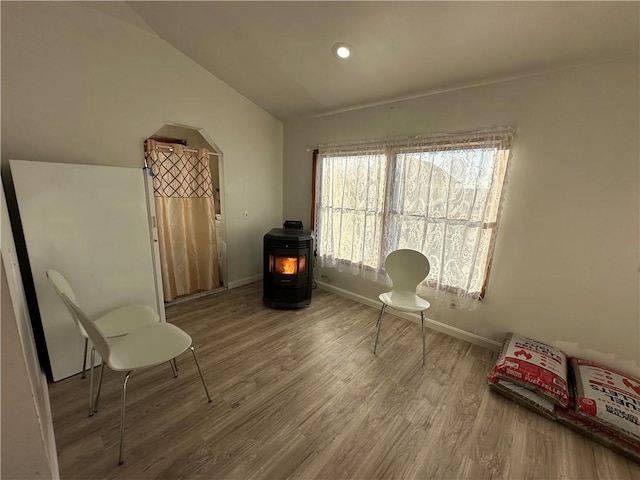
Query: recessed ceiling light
<point>341,50</point>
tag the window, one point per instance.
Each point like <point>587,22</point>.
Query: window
<point>352,187</point>
<point>439,195</point>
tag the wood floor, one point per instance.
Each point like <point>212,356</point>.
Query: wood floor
<point>297,394</point>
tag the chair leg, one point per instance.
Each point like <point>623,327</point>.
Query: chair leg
<point>423,334</point>
<point>84,358</point>
<point>379,325</point>
<point>204,384</point>
<point>93,362</point>
<point>380,314</point>
<point>173,368</point>
<point>97,398</point>
<point>122,408</point>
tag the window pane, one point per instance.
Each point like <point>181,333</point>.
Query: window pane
<point>442,203</point>
<point>349,216</point>
<point>458,254</point>
<point>453,184</point>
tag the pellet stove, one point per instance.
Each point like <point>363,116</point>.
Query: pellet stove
<point>288,266</point>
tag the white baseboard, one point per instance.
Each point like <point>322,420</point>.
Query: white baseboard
<point>244,281</point>
<point>433,324</point>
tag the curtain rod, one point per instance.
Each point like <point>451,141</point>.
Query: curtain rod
<point>445,136</point>
<point>185,149</point>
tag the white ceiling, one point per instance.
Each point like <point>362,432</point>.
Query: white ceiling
<point>278,54</point>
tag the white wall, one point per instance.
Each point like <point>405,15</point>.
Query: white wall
<point>82,86</point>
<point>28,442</point>
<point>566,258</point>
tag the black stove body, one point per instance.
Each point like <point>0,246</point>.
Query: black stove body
<point>288,267</point>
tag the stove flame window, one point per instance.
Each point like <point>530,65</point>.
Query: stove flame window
<point>287,265</point>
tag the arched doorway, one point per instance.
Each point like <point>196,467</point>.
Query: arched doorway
<point>191,226</point>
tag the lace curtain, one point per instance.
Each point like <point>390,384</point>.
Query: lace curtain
<point>185,215</point>
<point>438,194</point>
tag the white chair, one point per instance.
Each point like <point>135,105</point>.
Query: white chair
<point>407,269</point>
<point>147,346</point>
<point>116,323</point>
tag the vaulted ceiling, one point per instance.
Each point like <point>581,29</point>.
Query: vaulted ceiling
<point>278,54</point>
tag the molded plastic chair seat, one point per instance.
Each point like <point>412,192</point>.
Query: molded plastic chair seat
<point>407,269</point>
<point>404,301</point>
<point>123,320</point>
<point>148,346</point>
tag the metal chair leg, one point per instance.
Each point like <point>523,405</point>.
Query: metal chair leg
<point>173,368</point>
<point>84,357</point>
<point>93,361</point>
<point>97,397</point>
<point>204,384</point>
<point>379,325</point>
<point>423,334</point>
<point>380,314</point>
<point>122,408</point>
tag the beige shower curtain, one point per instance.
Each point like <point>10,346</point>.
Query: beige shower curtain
<point>185,215</point>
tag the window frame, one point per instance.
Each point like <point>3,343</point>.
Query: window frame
<point>446,144</point>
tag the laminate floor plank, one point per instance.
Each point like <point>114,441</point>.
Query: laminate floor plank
<point>298,394</point>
